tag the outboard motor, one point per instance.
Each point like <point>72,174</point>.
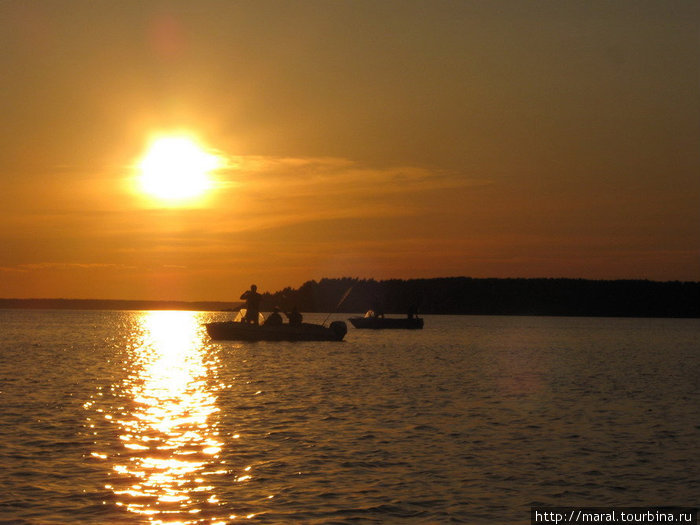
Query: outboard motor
<point>339,329</point>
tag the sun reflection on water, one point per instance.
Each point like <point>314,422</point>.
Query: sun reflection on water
<point>170,446</point>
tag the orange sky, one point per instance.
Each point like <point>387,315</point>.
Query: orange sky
<point>392,139</point>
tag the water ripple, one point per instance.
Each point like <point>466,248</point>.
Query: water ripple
<point>136,417</point>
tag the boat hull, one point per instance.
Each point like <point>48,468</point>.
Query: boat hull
<point>379,323</point>
<point>231,331</point>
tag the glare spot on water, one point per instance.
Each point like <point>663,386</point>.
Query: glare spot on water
<point>168,433</point>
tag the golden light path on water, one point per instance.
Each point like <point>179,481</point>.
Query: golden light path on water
<point>170,446</point>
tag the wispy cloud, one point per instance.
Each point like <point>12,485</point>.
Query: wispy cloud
<point>329,175</point>
<point>28,267</point>
<point>283,190</point>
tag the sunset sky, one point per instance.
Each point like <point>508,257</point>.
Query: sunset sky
<point>360,138</point>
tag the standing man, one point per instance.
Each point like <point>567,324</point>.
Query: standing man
<point>252,304</point>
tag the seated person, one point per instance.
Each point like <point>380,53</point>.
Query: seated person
<point>294,316</point>
<point>275,319</point>
<point>377,308</point>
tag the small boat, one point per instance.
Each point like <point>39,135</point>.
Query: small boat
<point>238,331</point>
<point>379,322</point>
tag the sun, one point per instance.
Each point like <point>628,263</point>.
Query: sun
<point>176,169</point>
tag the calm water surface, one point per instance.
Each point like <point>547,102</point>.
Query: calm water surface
<point>136,417</point>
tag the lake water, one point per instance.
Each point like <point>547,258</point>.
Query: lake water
<point>137,417</point>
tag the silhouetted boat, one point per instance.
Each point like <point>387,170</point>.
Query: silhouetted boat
<point>378,323</point>
<point>236,331</point>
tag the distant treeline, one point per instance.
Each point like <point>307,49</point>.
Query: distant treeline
<point>108,304</point>
<point>463,295</point>
<point>452,295</point>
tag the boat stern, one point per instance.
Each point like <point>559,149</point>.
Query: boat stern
<point>339,328</point>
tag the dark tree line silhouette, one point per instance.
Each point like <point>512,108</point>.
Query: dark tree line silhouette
<point>451,295</point>
<point>464,295</point>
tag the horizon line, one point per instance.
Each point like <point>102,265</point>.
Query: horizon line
<point>238,301</point>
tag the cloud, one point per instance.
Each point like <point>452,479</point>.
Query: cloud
<point>270,191</point>
<point>309,175</point>
<point>28,267</point>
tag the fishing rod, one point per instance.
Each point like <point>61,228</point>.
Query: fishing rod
<point>345,296</point>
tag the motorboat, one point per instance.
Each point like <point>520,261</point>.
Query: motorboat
<point>238,331</point>
<point>378,322</point>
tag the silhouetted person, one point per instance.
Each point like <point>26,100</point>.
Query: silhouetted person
<point>274,319</point>
<point>377,308</point>
<point>252,304</point>
<point>294,316</point>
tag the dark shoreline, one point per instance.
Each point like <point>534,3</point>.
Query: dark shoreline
<point>115,304</point>
<point>450,296</point>
<point>469,296</point>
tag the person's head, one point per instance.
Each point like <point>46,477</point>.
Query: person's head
<point>253,287</point>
